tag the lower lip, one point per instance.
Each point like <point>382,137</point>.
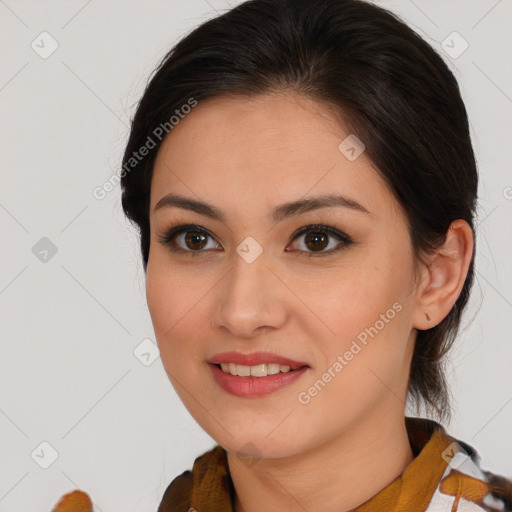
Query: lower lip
<point>255,386</point>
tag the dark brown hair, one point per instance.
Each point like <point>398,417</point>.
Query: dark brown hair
<point>393,91</point>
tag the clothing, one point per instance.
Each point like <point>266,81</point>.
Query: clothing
<point>445,476</point>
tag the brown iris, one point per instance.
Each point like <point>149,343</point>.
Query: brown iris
<point>319,240</point>
<point>194,237</point>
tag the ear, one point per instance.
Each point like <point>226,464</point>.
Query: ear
<point>444,278</point>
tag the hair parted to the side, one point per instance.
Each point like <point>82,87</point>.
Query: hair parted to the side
<point>392,90</point>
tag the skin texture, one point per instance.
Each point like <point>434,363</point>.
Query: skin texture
<point>245,156</point>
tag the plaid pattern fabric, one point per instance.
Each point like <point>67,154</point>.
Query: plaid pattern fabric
<point>464,487</point>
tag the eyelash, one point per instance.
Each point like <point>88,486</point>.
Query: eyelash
<point>344,239</point>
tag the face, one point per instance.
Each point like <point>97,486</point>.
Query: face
<point>338,297</point>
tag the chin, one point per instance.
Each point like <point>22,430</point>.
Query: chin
<point>257,445</point>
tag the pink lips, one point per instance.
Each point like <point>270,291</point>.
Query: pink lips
<point>254,359</point>
<point>251,386</point>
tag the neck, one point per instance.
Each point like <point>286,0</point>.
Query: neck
<point>337,476</point>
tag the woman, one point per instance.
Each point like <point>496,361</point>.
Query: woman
<point>303,180</point>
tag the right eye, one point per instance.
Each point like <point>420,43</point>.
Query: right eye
<point>189,239</point>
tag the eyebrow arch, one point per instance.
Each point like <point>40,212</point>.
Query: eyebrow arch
<point>278,213</point>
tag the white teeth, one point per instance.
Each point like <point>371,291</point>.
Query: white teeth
<point>260,370</point>
<point>273,368</point>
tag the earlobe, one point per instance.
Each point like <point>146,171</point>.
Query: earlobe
<point>445,277</point>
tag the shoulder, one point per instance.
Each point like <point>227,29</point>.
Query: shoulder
<point>473,488</point>
<point>207,475</point>
<point>178,494</point>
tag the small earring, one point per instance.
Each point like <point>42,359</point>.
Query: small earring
<point>427,317</point>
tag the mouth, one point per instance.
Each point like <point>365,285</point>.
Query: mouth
<point>257,380</point>
<point>257,364</point>
<point>259,370</point>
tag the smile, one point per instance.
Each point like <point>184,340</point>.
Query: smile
<point>259,370</point>
<point>252,386</point>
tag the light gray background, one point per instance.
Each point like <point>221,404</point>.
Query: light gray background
<point>70,326</point>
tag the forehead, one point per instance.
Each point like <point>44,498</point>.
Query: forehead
<point>254,152</point>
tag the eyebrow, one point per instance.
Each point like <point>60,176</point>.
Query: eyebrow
<point>278,213</point>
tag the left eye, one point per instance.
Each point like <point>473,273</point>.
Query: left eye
<point>195,238</point>
<point>320,238</point>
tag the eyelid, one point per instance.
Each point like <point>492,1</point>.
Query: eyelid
<point>179,228</point>
<point>330,230</point>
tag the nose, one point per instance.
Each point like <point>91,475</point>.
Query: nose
<point>251,298</point>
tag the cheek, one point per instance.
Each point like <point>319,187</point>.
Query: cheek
<point>160,299</point>
<point>169,294</point>
<point>174,313</point>
<point>167,302</point>
<point>366,311</point>
<point>373,333</point>
<point>351,300</point>
<point>177,314</point>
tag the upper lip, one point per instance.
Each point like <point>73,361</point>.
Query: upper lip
<point>254,359</point>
